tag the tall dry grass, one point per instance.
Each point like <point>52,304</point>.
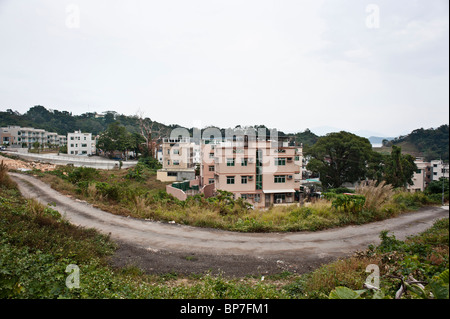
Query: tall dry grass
<point>5,181</point>
<point>376,195</point>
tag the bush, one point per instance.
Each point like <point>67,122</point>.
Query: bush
<point>349,203</point>
<point>82,174</point>
<point>150,163</point>
<point>409,200</point>
<point>107,190</point>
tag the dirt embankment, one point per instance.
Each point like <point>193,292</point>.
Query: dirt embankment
<point>20,165</point>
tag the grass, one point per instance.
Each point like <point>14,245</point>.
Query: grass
<point>140,195</point>
<point>37,244</point>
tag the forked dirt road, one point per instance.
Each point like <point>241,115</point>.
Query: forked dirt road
<point>162,248</point>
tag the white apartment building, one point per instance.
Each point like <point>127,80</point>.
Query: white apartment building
<point>16,136</point>
<point>79,143</point>
<point>439,169</point>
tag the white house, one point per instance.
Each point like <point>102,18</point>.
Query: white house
<point>80,143</point>
<point>439,169</point>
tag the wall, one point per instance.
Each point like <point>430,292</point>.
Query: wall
<point>177,193</point>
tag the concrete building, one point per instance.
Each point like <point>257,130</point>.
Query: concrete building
<point>439,169</point>
<point>18,137</point>
<point>260,171</point>
<point>421,177</point>
<point>81,143</point>
<point>178,160</point>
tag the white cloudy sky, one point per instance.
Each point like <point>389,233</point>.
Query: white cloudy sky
<point>288,64</point>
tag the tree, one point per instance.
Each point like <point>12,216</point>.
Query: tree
<point>398,168</point>
<point>339,158</point>
<point>115,138</point>
<point>152,132</point>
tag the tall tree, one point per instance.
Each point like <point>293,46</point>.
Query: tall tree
<point>115,138</point>
<point>339,158</point>
<point>399,168</point>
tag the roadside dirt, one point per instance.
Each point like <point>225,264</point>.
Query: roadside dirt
<point>18,164</point>
<point>163,248</point>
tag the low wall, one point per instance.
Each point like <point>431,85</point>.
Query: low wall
<point>177,193</point>
<point>208,190</point>
<point>76,161</point>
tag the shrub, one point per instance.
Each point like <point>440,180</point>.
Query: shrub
<point>107,190</point>
<point>349,203</point>
<point>82,174</point>
<point>409,200</point>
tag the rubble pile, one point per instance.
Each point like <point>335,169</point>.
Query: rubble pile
<point>20,165</point>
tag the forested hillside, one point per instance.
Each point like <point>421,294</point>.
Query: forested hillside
<point>64,122</point>
<point>433,143</point>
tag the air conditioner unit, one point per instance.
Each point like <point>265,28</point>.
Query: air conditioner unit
<point>289,177</point>
<point>289,159</point>
<point>250,160</point>
<point>250,178</point>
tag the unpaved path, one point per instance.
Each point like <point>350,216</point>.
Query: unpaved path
<point>161,248</point>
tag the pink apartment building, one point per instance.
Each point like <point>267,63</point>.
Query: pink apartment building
<point>258,171</point>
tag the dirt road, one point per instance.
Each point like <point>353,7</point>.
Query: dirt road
<point>161,248</point>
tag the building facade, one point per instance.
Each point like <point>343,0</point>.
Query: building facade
<point>79,143</point>
<point>18,137</point>
<point>421,177</point>
<point>439,169</point>
<point>261,172</point>
<point>177,160</point>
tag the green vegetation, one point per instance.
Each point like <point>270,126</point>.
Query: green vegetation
<point>432,143</point>
<point>346,158</point>
<point>339,158</point>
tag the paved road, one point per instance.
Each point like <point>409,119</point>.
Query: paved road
<point>161,247</point>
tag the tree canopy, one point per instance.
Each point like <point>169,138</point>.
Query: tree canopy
<point>339,158</point>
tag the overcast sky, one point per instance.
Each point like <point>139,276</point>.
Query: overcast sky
<point>380,65</point>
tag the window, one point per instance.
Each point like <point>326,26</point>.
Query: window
<point>244,162</point>
<point>244,179</point>
<point>280,179</point>
<point>172,174</point>
<point>176,151</point>
<point>71,145</point>
<point>71,138</point>
<point>244,196</point>
<point>230,161</point>
<point>297,158</point>
<point>211,168</point>
<point>211,155</point>
<point>175,162</point>
<point>83,145</point>
<point>230,179</point>
<point>280,161</point>
<point>168,162</point>
<point>211,180</point>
